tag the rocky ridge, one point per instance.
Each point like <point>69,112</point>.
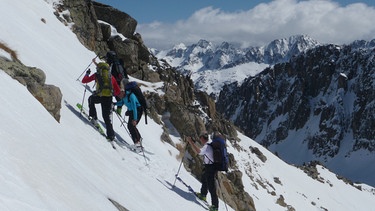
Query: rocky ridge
<point>325,95</point>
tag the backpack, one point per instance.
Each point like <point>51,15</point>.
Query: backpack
<point>104,80</point>
<point>220,153</point>
<point>134,88</point>
<point>117,71</point>
<point>117,68</point>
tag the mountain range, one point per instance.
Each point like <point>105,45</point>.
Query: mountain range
<point>53,159</point>
<point>211,66</point>
<point>304,101</point>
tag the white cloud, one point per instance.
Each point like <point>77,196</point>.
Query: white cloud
<point>325,21</point>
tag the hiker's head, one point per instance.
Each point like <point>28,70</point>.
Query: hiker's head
<point>110,57</point>
<point>203,137</point>
<point>217,134</point>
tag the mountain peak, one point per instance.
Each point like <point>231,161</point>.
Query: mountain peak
<point>204,57</point>
<point>204,44</point>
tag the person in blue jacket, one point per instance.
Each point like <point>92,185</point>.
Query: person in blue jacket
<point>134,112</point>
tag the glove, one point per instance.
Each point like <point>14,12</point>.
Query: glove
<point>88,72</point>
<point>127,113</point>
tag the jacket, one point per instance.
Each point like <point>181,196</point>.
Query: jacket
<point>115,86</point>
<point>131,102</point>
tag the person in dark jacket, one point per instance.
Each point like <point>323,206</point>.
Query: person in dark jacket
<point>118,70</point>
<point>102,95</point>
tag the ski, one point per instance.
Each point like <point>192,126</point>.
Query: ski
<point>192,191</point>
<point>136,148</point>
<point>112,144</point>
<point>121,142</point>
<point>97,127</point>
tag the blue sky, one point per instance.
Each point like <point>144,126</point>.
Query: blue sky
<point>169,11</point>
<point>165,23</point>
<point>145,11</point>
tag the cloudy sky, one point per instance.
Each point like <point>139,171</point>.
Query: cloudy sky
<point>166,23</point>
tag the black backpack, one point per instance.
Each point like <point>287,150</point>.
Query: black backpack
<point>220,153</point>
<point>117,66</point>
<point>134,88</point>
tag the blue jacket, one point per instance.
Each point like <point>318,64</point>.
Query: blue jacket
<point>131,102</point>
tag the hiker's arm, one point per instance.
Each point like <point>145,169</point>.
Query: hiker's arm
<point>133,102</point>
<point>192,144</point>
<point>120,102</point>
<point>116,87</point>
<point>87,78</point>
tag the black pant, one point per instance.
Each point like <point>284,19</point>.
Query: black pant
<point>208,183</point>
<point>106,103</point>
<point>136,136</point>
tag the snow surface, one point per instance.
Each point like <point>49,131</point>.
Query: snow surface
<point>46,165</point>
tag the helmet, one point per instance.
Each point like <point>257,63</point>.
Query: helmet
<point>110,57</point>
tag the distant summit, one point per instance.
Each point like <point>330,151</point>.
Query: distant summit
<point>203,60</point>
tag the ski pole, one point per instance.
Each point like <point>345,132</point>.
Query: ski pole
<point>140,142</point>
<point>143,151</point>
<point>182,159</point>
<point>86,68</point>
<point>145,115</point>
<point>122,120</point>
<point>122,123</point>
<point>222,195</point>
<point>83,99</point>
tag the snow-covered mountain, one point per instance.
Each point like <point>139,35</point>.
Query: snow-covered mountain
<point>67,165</point>
<point>286,117</point>
<point>318,106</point>
<point>207,63</point>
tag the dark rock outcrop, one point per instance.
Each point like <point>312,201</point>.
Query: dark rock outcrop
<point>86,26</point>
<point>95,35</point>
<point>34,79</point>
<point>123,22</point>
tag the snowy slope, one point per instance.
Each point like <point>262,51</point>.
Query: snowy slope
<point>68,166</point>
<point>45,165</point>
